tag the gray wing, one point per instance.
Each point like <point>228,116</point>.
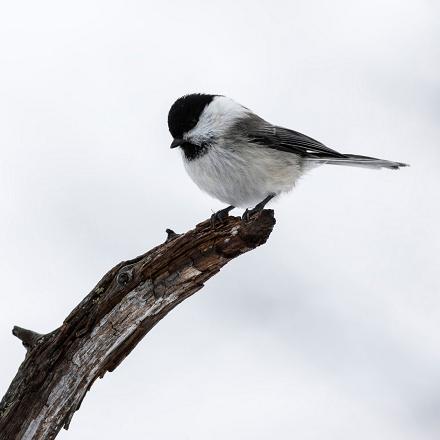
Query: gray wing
<point>260,132</point>
<point>284,139</point>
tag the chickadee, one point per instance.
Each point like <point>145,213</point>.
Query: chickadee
<point>242,160</point>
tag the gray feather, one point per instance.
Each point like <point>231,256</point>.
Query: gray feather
<point>354,160</point>
<point>261,132</point>
<point>283,139</point>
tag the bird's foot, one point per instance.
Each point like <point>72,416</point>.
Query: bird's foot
<point>258,208</point>
<point>220,216</point>
<point>249,213</point>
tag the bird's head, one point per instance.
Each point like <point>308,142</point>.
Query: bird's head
<point>198,121</point>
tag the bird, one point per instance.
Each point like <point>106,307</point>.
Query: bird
<point>242,160</point>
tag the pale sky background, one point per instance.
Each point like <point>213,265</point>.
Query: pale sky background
<point>331,330</point>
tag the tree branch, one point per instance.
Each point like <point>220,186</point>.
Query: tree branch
<point>103,329</point>
<point>28,338</point>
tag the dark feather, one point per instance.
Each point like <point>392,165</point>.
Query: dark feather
<point>284,139</point>
<point>257,130</point>
<point>185,112</point>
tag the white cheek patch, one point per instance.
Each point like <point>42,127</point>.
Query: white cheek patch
<point>216,119</point>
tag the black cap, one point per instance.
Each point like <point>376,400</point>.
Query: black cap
<point>185,112</point>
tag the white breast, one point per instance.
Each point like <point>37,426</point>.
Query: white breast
<point>243,175</point>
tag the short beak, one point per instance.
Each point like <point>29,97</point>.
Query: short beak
<point>177,143</point>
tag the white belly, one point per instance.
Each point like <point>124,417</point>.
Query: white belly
<point>243,179</point>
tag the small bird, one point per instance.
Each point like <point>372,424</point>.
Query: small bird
<point>241,159</point>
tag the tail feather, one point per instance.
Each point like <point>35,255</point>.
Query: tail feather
<point>354,160</point>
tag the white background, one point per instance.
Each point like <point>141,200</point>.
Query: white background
<point>329,331</point>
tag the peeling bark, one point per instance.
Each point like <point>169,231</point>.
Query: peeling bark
<point>60,367</point>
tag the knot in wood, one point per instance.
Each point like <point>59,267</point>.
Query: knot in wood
<point>125,277</point>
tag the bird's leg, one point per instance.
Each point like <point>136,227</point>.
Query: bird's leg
<point>258,208</point>
<point>221,216</point>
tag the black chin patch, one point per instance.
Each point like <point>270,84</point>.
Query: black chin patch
<point>185,112</point>
<point>193,152</point>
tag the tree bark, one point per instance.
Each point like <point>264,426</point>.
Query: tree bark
<point>60,367</point>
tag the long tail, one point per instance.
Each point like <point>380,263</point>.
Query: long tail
<point>353,160</point>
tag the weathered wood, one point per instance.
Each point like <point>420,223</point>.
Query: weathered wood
<point>28,338</point>
<point>103,329</point>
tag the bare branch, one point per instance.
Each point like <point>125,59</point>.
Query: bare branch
<point>27,337</point>
<point>103,329</point>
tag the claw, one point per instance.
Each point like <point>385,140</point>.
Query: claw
<point>247,215</point>
<point>258,208</point>
<point>220,216</point>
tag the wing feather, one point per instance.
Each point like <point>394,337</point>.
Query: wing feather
<point>260,132</point>
<point>284,139</point>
